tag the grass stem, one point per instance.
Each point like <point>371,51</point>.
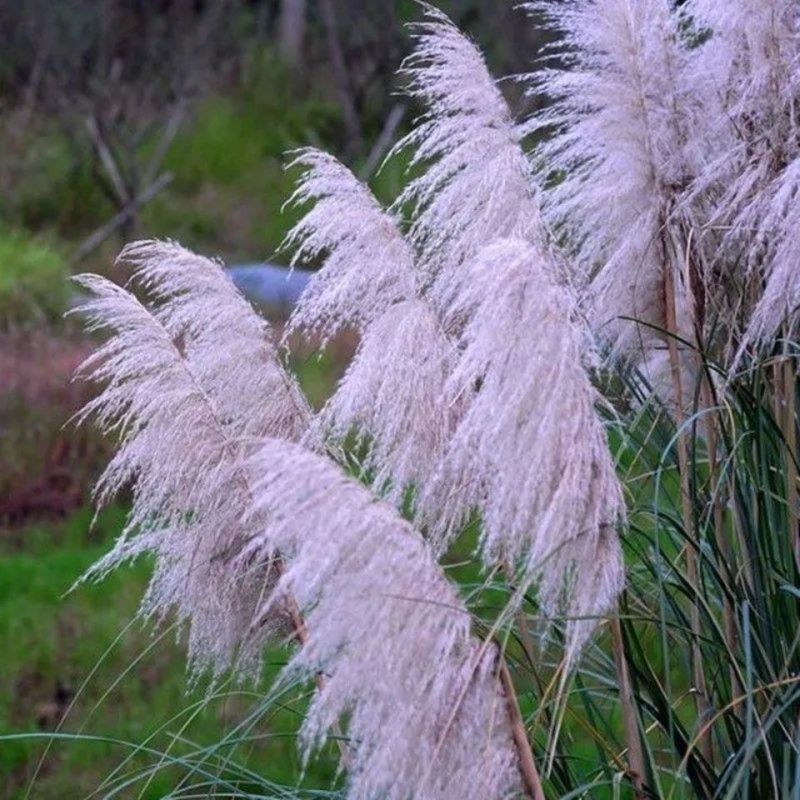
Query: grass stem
<point>527,765</point>
<point>671,325</point>
<point>636,765</point>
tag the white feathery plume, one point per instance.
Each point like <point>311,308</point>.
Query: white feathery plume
<point>530,452</point>
<point>419,696</point>
<point>174,452</point>
<point>746,70</point>
<point>476,183</point>
<point>750,65</point>
<point>623,119</point>
<point>180,443</point>
<point>780,298</point>
<point>228,345</point>
<point>392,396</point>
<point>366,263</point>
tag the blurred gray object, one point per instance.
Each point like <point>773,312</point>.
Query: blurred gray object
<point>271,285</point>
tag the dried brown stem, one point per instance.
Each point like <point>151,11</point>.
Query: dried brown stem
<point>301,634</point>
<point>720,534</point>
<point>527,765</point>
<point>671,325</point>
<point>636,766</point>
<point>789,428</point>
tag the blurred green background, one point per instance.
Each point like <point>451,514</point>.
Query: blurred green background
<point>124,119</point>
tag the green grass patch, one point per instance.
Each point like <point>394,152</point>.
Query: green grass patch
<point>34,282</point>
<point>124,684</point>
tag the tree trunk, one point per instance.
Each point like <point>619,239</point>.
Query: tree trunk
<point>340,75</point>
<point>292,31</point>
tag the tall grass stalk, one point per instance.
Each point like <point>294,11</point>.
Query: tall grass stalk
<point>630,720</point>
<point>684,469</point>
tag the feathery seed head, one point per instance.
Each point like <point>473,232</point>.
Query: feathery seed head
<point>392,395</point>
<point>751,64</point>
<point>227,344</point>
<point>366,264</point>
<point>530,451</point>
<point>476,183</point>
<point>390,635</point>
<point>621,118</point>
<point>186,418</point>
